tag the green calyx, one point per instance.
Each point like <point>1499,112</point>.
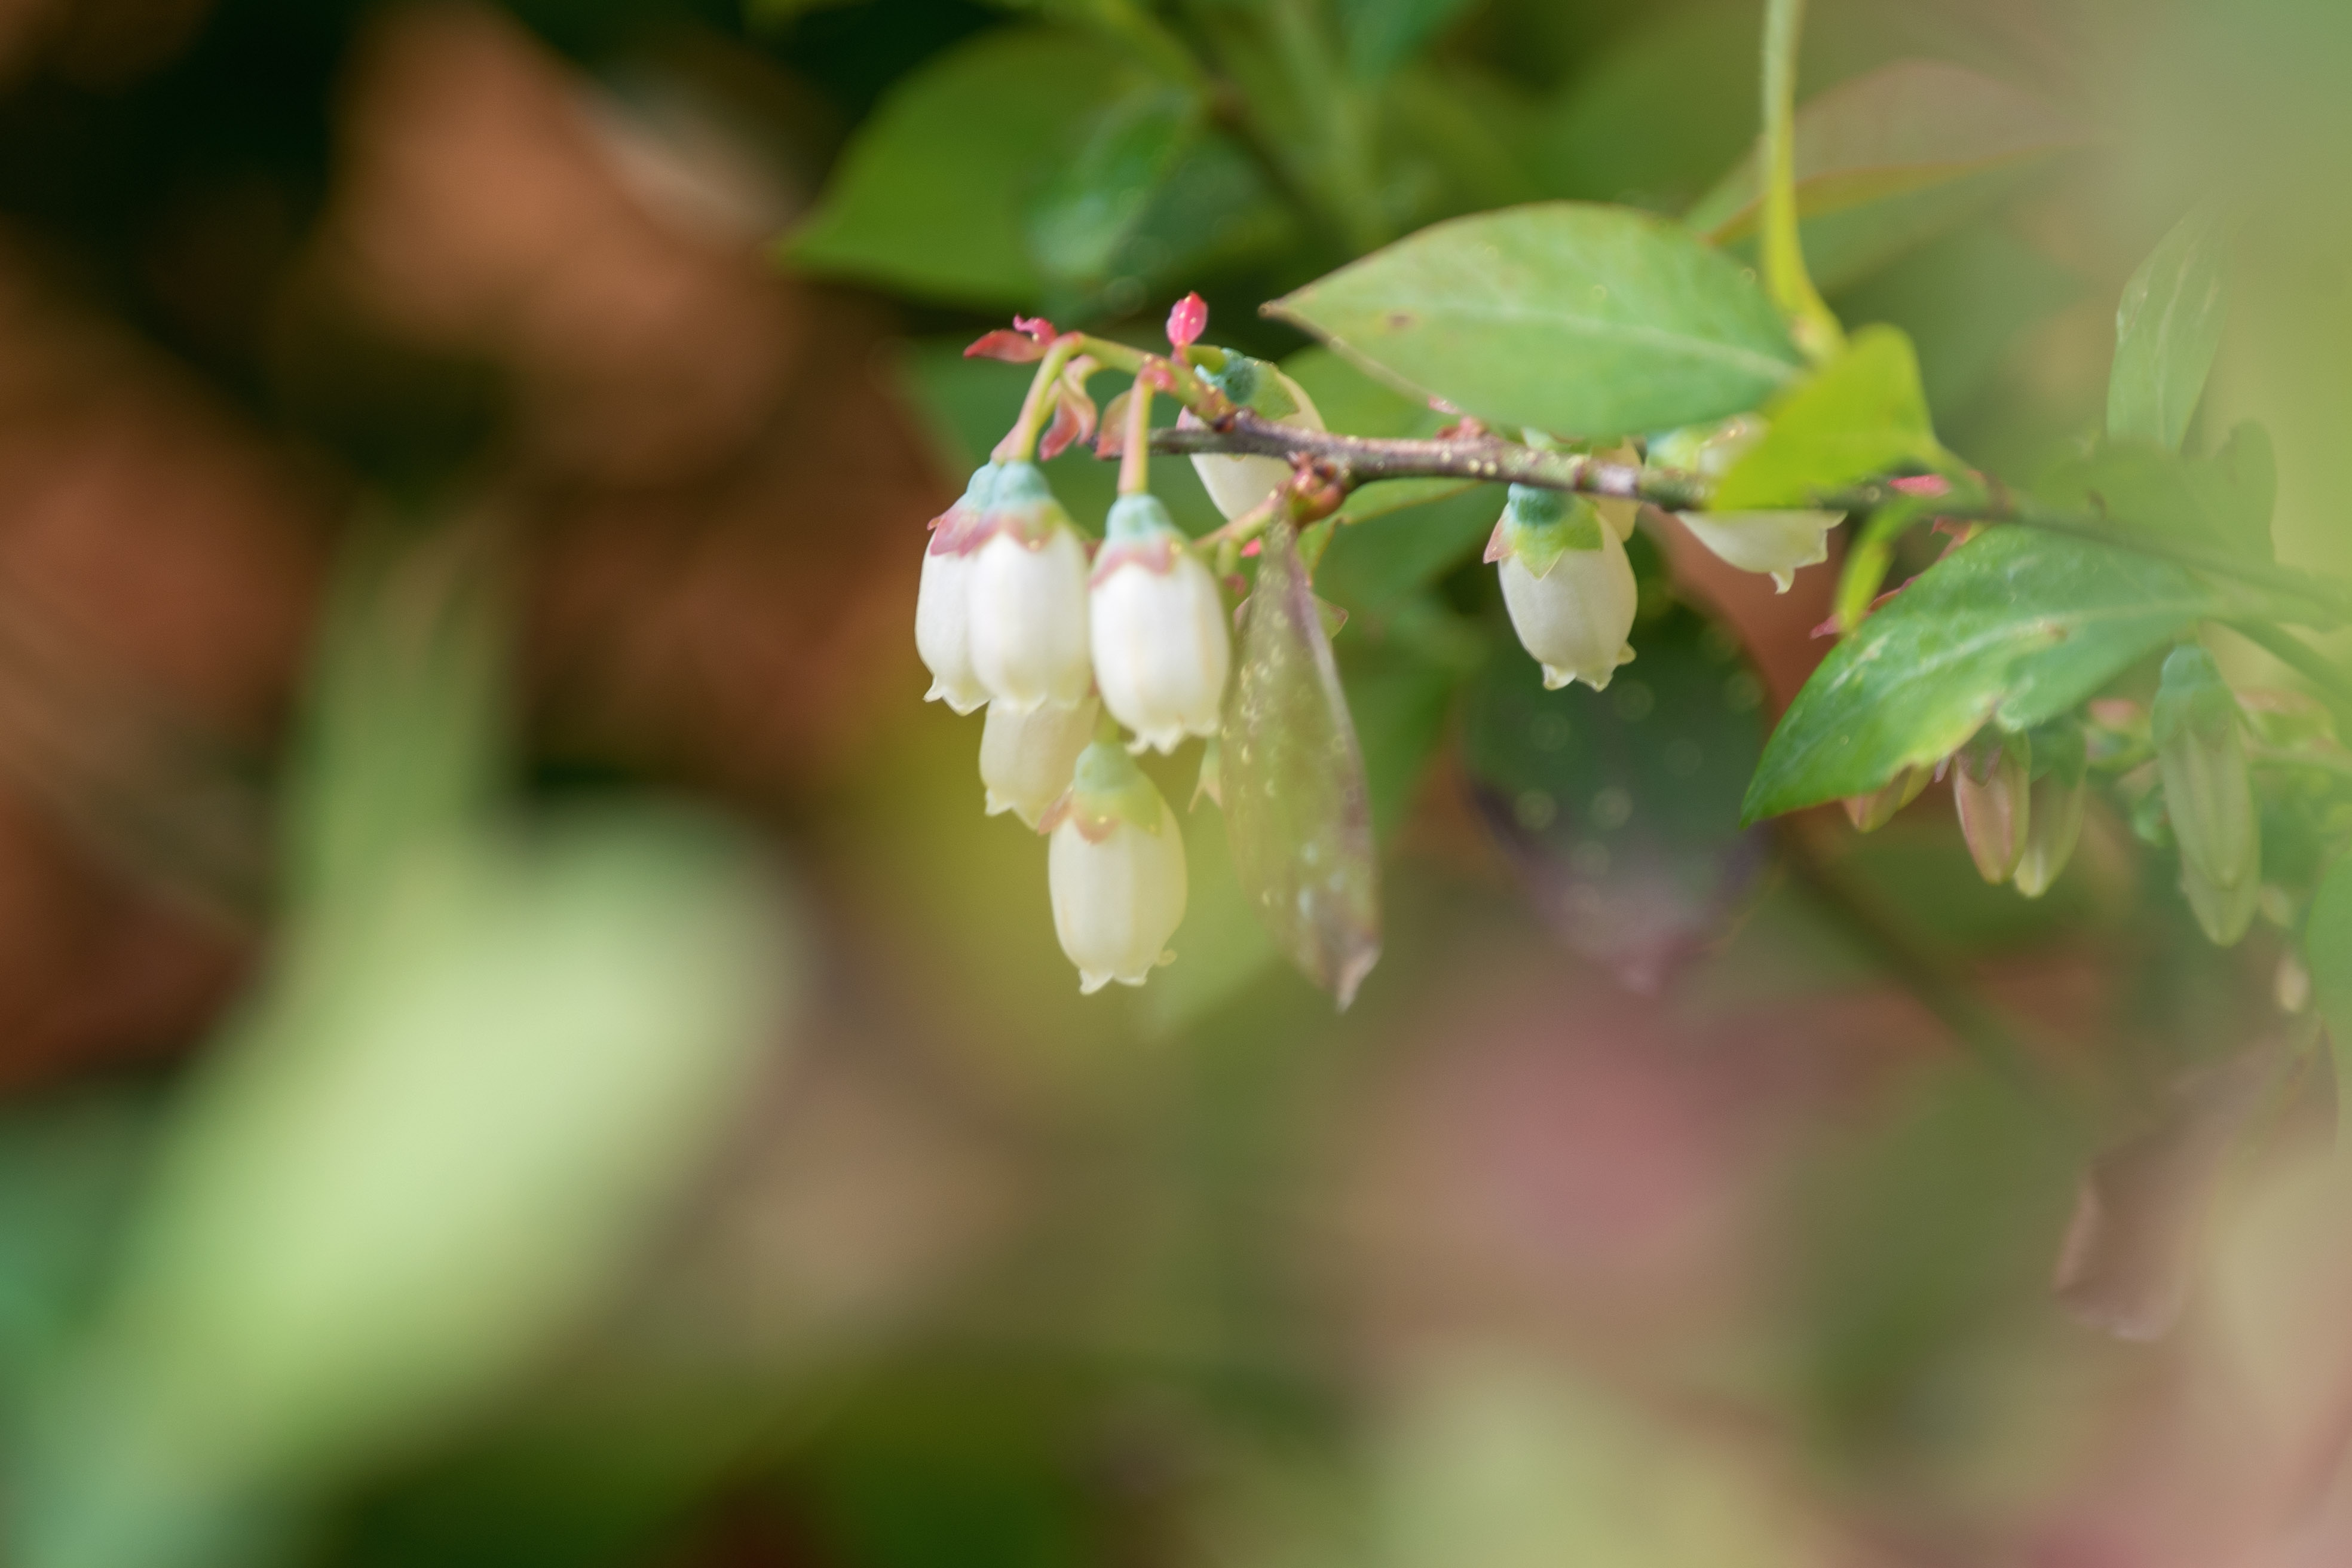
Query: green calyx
<point>1023,504</point>
<point>2059,750</point>
<point>1138,520</point>
<point>1540,526</point>
<point>1251,383</point>
<point>1107,787</point>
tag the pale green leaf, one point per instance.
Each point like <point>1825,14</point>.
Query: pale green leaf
<point>1088,209</point>
<point>2167,329</point>
<point>1892,158</point>
<point>1571,318</point>
<point>1860,415</point>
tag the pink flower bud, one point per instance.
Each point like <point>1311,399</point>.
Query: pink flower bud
<point>2054,819</point>
<point>2208,794</point>
<point>1993,787</point>
<point>1186,321</point>
<point>1161,647</point>
<point>1026,759</point>
<point>1871,812</point>
<point>1028,595</point>
<point>1116,869</point>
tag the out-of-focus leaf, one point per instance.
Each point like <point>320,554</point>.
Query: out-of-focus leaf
<point>1351,400</point>
<point>1212,210</point>
<point>1504,1461</point>
<point>1890,158</point>
<point>1380,34</point>
<point>403,737</point>
<point>2224,499</point>
<point>2167,329</point>
<point>1296,803</point>
<point>2328,953</point>
<point>68,1168</point>
<point>2127,1258</point>
<point>1963,300</point>
<point>1620,809</point>
<point>933,195</point>
<point>2015,627</point>
<point>1861,414</point>
<point>431,1145</point>
<point>1088,208</point>
<point>1376,564</point>
<point>1575,319</point>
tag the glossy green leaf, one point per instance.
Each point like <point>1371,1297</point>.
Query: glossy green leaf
<point>2328,953</point>
<point>933,195</point>
<point>1575,319</point>
<point>1298,806</point>
<point>2167,329</point>
<point>1087,210</point>
<point>1379,35</point>
<point>1861,414</point>
<point>1892,158</point>
<point>2015,627</point>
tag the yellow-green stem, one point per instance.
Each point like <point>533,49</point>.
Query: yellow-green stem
<point>1019,443</point>
<point>1135,454</point>
<point>1785,277</point>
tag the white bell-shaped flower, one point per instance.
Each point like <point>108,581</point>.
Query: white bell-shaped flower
<point>943,602</point>
<point>1026,759</point>
<point>1567,583</point>
<point>1116,869</point>
<point>1239,484</point>
<point>1028,595</point>
<point>1779,543</point>
<point>1162,645</point>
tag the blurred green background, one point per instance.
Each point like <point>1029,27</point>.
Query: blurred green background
<point>520,1047</point>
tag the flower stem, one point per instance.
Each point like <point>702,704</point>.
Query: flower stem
<point>1019,443</point>
<point>1785,277</point>
<point>1135,453</point>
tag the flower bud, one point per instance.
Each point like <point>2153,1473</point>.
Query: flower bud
<point>1161,647</point>
<point>1026,759</point>
<point>1116,867</point>
<point>1239,484</point>
<point>943,603</point>
<point>1871,812</point>
<point>1777,543</point>
<point>1707,450</point>
<point>1567,583</point>
<point>1992,785</point>
<point>2054,814</point>
<point>1028,595</point>
<point>2208,794</point>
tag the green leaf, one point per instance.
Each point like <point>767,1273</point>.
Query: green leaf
<point>1860,415</point>
<point>1297,802</point>
<point>1379,35</point>
<point>1567,317</point>
<point>1889,159</point>
<point>932,196</point>
<point>453,1117</point>
<point>1094,204</point>
<point>2167,329</point>
<point>2328,953</point>
<point>2015,627</point>
<point>2224,499</point>
<point>405,734</point>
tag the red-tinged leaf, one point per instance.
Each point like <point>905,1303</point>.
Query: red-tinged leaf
<point>1110,433</point>
<point>1297,807</point>
<point>1187,321</point>
<point>1003,343</point>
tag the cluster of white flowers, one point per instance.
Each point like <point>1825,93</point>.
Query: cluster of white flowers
<point>1068,645</point>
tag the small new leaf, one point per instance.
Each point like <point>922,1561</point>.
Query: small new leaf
<point>2167,329</point>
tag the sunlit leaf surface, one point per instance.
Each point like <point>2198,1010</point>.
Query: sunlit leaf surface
<point>1580,320</point>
